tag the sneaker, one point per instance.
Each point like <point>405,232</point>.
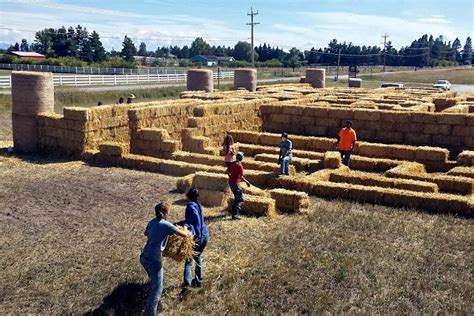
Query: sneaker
<point>235,217</point>
<point>184,293</point>
<point>195,283</point>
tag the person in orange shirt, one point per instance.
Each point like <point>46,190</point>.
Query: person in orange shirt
<point>346,141</point>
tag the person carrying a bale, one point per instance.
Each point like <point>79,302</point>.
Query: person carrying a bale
<point>236,175</point>
<point>285,155</point>
<point>157,232</point>
<point>194,221</point>
<point>346,141</point>
<point>228,149</point>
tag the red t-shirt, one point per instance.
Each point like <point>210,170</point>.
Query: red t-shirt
<point>236,172</point>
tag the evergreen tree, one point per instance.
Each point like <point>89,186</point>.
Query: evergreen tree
<point>128,49</point>
<point>142,49</point>
<point>199,47</point>
<point>467,52</point>
<point>457,46</point>
<point>24,47</point>
<point>97,51</point>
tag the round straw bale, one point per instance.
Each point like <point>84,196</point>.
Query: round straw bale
<point>200,80</point>
<point>25,133</point>
<point>245,78</point>
<point>355,82</point>
<point>32,92</point>
<point>316,77</point>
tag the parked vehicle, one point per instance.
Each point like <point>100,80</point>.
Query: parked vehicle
<point>392,85</point>
<point>442,84</point>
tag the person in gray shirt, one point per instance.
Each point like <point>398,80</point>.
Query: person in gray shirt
<point>285,155</point>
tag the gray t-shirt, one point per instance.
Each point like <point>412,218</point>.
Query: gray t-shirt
<point>285,147</point>
<point>157,232</point>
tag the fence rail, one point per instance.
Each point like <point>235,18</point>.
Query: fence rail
<point>98,80</point>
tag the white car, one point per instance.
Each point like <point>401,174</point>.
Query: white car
<point>442,84</point>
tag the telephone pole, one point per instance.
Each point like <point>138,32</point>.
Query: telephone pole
<point>252,24</point>
<point>385,36</point>
<point>338,62</point>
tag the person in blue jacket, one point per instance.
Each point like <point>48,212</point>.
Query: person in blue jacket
<point>157,232</point>
<point>194,221</point>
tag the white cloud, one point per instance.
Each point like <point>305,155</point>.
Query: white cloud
<point>434,20</point>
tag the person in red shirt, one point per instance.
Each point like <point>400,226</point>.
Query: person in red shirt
<point>346,141</point>
<point>236,175</point>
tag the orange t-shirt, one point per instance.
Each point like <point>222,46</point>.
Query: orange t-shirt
<point>346,137</point>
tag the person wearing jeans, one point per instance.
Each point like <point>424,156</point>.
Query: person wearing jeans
<point>285,155</point>
<point>347,138</point>
<point>194,221</point>
<point>236,175</point>
<point>157,232</point>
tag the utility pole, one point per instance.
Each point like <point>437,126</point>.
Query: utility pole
<point>338,63</point>
<point>385,36</point>
<point>252,24</point>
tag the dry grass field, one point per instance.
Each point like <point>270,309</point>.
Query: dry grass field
<point>456,76</point>
<point>72,234</point>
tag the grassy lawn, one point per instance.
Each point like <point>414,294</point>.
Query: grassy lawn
<point>72,234</point>
<point>456,76</point>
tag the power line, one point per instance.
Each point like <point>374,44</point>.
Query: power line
<point>252,24</point>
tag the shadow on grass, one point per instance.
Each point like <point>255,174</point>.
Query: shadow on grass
<point>125,299</point>
<point>37,158</point>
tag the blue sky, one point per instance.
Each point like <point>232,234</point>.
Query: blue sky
<point>286,23</point>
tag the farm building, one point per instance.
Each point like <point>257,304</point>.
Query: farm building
<point>28,55</point>
<point>211,60</point>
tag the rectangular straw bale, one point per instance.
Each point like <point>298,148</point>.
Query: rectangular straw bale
<point>290,201</point>
<point>466,158</point>
<point>455,184</point>
<point>211,181</point>
<point>259,206</point>
<point>269,139</point>
<point>156,134</point>
<point>253,190</point>
<point>111,149</point>
<point>372,164</point>
<point>332,160</point>
<point>212,198</point>
<point>183,184</point>
<point>431,154</point>
<point>76,113</point>
<point>467,172</point>
<point>245,136</point>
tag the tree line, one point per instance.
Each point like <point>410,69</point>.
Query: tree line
<point>77,42</point>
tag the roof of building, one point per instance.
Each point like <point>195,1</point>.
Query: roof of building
<point>28,54</point>
<point>214,58</point>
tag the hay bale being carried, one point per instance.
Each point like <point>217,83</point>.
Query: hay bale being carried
<point>332,160</point>
<point>180,248</point>
<point>245,78</point>
<point>200,80</point>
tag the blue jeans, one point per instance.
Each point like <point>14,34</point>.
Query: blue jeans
<point>285,165</point>
<point>188,264</point>
<point>154,269</point>
<point>346,156</point>
<point>238,198</point>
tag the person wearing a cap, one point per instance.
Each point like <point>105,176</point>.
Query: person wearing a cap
<point>346,141</point>
<point>285,155</point>
<point>236,176</point>
<point>130,98</point>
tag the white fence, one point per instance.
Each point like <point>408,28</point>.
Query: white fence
<point>99,80</point>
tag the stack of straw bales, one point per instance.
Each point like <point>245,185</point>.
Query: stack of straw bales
<point>466,158</point>
<point>290,201</point>
<point>245,78</point>
<point>213,188</point>
<point>258,206</point>
<point>332,160</point>
<point>467,172</point>
<point>32,93</point>
<point>200,80</point>
<point>316,77</point>
<point>355,82</point>
<point>153,142</point>
<point>183,184</point>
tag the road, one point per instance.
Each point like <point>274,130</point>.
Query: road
<point>459,88</point>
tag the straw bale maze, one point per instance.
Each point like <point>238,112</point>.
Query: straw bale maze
<point>415,148</point>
